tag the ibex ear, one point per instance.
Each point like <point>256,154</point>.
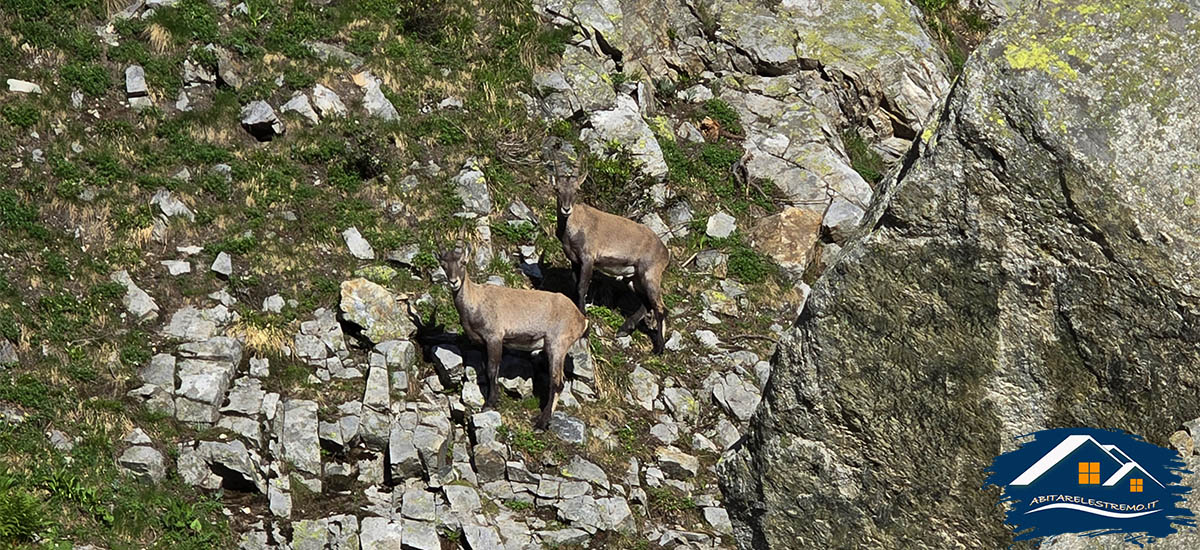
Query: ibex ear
<point>583,175</point>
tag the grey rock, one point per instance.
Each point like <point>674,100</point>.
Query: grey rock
<point>1073,260</point>
<point>177,267</point>
<point>226,69</point>
<point>379,534</point>
<point>308,534</point>
<point>136,301</point>
<point>449,362</point>
<point>720,225</point>
<point>682,404</point>
<point>60,441</point>
<point>375,102</point>
<point>260,120</point>
<point>299,104</point>
<point>624,124</point>
<point>471,187</point>
<point>359,247</point>
<point>696,94</point>
<point>418,504</point>
<point>183,102</point>
<point>301,446</point>
<point>23,87</point>
<point>643,387</point>
<point>273,303</point>
<point>580,512</point>
<point>677,463</point>
<point>579,468</point>
<point>463,500</point>
<point>419,535</point>
<point>708,339</point>
<point>737,396</point>
<point>246,397</point>
<point>326,51</point>
<point>190,323</point>
<point>480,537</point>
<point>667,433</point>
<point>376,311</point>
<point>195,73</point>
<point>171,206</point>
<point>718,518</point>
<point>564,537</point>
<point>568,428</point>
<point>145,463</point>
<point>490,460</point>
<point>841,218</point>
<point>135,82</point>
<point>223,265</point>
<point>615,515</point>
<point>405,459</point>
<point>327,102</point>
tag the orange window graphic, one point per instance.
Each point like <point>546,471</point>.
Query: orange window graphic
<point>1135,485</point>
<point>1089,473</point>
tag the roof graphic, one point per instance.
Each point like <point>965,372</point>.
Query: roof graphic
<point>1068,446</point>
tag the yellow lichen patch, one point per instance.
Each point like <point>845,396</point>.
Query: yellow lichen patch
<point>1039,57</point>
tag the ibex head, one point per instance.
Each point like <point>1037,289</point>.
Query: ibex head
<point>567,189</point>
<point>453,265</point>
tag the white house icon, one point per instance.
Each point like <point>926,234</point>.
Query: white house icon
<point>1070,445</point>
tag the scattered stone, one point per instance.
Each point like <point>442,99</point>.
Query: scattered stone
<point>379,534</point>
<point>136,301</point>
<point>8,353</point>
<point>23,87</point>
<point>359,247</point>
<point>145,463</point>
<point>196,73</point>
<point>587,471</point>
<point>327,102</point>
<point>135,82</point>
<point>326,52</point>
<point>643,387</point>
<point>421,536</point>
<point>481,537</point>
<point>564,537</point>
<point>376,310</point>
<point>260,120</point>
<point>375,103</point>
<point>624,124</point>
<point>696,94</point>
<point>615,515</point>
<point>666,433</point>
<point>681,403</point>
<point>223,265</point>
<point>472,189</point>
<point>788,238</point>
<point>737,396</point>
<point>708,339</point>
<point>677,463</point>
<point>463,500</point>
<point>720,225</point>
<point>225,68</point>
<point>177,267</point>
<point>567,428</point>
<point>273,303</point>
<point>299,104</point>
<point>299,439</point>
<point>718,518</point>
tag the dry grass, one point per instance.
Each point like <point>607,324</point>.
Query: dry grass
<point>261,340</point>
<point>159,37</point>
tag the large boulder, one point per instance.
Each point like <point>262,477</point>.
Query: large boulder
<point>376,311</point>
<point>1037,264</point>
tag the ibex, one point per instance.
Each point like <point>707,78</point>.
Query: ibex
<point>618,247</point>
<point>496,316</point>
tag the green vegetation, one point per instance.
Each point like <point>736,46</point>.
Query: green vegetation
<point>957,30</point>
<point>865,161</point>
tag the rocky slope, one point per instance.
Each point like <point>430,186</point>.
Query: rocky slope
<point>217,214</point>
<point>1035,264</point>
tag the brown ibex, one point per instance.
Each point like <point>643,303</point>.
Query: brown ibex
<point>497,316</point>
<point>618,247</point>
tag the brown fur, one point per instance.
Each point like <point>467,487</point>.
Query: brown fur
<point>496,316</point>
<point>596,240</point>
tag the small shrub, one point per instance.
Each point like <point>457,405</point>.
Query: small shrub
<point>22,515</point>
<point>517,505</point>
<point>21,114</point>
<point>724,115</point>
<point>526,441</point>
<point>865,161</point>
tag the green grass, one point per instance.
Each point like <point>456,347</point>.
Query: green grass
<point>21,114</point>
<point>863,159</point>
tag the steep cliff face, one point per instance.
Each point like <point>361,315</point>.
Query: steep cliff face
<point>1037,264</point>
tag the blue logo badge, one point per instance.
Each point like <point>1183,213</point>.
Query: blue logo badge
<point>1092,482</point>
